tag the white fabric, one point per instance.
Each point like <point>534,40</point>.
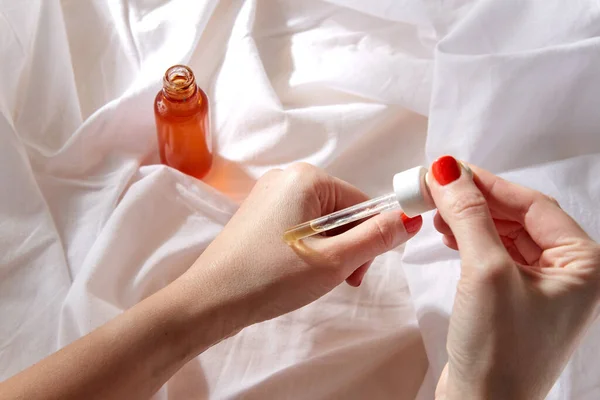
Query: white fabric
<point>91,224</point>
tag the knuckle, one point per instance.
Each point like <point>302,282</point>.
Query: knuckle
<point>385,234</point>
<point>494,269</point>
<point>333,260</point>
<point>301,168</point>
<point>469,204</point>
<point>301,172</point>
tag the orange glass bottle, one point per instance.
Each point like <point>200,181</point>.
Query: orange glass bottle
<point>182,118</point>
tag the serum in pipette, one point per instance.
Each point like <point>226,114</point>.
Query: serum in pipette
<point>411,194</point>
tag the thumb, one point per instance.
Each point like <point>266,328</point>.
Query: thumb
<point>373,237</point>
<point>464,208</point>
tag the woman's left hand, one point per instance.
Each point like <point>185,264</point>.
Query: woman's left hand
<point>262,276</point>
<point>247,275</point>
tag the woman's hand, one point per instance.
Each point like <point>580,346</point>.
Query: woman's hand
<point>247,275</point>
<point>254,268</point>
<point>529,286</point>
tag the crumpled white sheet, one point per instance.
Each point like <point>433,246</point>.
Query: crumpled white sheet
<point>91,224</point>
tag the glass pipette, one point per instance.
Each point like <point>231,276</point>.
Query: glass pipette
<point>342,217</point>
<point>410,193</point>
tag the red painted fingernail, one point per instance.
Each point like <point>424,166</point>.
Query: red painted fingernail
<point>412,224</point>
<point>445,170</point>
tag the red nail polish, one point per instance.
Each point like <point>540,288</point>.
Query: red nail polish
<point>445,170</point>
<point>412,224</point>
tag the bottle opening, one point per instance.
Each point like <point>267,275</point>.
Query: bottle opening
<point>179,82</point>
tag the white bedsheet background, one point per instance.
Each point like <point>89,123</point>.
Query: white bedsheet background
<point>91,224</point>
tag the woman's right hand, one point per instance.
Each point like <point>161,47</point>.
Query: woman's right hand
<point>529,285</point>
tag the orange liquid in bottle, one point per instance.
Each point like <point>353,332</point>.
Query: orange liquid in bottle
<point>183,123</point>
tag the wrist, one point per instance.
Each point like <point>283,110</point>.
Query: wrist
<point>200,314</point>
<point>492,385</point>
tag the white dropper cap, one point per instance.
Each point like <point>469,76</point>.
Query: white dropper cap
<point>412,191</point>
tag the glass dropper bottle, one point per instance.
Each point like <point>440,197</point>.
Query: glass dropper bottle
<point>411,194</point>
<point>182,115</point>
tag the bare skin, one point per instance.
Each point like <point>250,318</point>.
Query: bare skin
<point>527,269</point>
<point>529,285</point>
<point>247,275</point>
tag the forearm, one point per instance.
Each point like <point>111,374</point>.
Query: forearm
<point>130,357</point>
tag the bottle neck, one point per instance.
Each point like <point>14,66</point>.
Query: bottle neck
<point>179,83</point>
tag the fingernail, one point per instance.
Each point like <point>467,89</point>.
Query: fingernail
<point>412,224</point>
<point>465,167</point>
<point>445,170</point>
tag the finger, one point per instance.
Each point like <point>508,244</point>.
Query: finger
<point>507,228</point>
<point>373,237</point>
<point>344,194</point>
<point>503,227</point>
<point>544,220</point>
<point>518,237</point>
<point>356,278</point>
<point>440,225</point>
<point>509,245</point>
<point>464,208</point>
<point>342,229</point>
<point>528,248</point>
<point>529,251</point>
<point>450,241</point>
<point>513,251</point>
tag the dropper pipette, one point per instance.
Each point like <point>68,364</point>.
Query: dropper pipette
<point>410,194</point>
